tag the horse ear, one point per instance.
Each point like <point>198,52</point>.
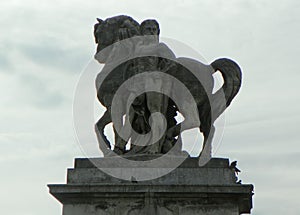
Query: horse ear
<point>99,20</point>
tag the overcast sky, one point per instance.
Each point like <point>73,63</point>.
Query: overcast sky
<point>45,45</point>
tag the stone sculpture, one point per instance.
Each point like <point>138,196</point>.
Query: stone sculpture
<point>143,87</point>
<point>132,53</point>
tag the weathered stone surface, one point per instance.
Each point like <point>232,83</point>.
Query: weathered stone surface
<point>154,86</point>
<point>189,189</point>
<point>132,53</point>
<point>216,172</point>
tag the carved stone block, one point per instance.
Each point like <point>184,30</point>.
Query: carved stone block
<point>188,189</point>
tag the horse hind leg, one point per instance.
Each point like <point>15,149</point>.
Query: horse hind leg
<point>206,152</point>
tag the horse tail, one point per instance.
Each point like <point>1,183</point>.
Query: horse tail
<point>232,75</point>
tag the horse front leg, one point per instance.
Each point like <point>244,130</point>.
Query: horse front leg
<point>104,144</point>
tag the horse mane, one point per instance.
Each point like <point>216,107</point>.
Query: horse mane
<point>114,25</point>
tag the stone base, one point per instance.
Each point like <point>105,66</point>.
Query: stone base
<point>189,189</point>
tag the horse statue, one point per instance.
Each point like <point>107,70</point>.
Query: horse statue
<point>133,55</point>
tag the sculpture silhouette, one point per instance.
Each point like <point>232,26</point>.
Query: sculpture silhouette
<point>130,50</point>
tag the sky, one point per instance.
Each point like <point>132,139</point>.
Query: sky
<point>45,46</point>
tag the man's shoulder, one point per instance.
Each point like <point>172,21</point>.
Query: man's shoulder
<point>165,50</point>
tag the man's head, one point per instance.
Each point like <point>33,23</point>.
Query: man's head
<point>150,27</point>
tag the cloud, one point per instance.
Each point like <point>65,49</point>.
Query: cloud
<point>4,63</point>
<point>39,94</point>
<point>45,46</point>
<point>49,54</point>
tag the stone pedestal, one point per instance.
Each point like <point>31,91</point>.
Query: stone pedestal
<point>187,190</point>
